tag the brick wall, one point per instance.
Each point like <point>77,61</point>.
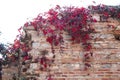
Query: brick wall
<point>7,73</point>
<point>105,63</point>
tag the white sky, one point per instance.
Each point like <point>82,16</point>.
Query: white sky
<point>14,13</point>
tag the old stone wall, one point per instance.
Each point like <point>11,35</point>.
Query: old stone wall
<point>105,62</point>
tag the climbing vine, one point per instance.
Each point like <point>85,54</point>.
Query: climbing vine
<point>106,11</point>
<point>75,21</point>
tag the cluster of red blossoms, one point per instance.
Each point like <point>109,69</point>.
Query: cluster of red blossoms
<point>76,21</point>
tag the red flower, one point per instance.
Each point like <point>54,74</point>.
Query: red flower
<point>26,58</point>
<point>88,47</point>
<point>45,65</point>
<point>50,31</point>
<point>94,20</point>
<point>50,40</point>
<point>44,31</point>
<point>43,60</point>
<point>49,77</point>
<point>118,15</point>
<point>74,29</point>
<point>34,24</point>
<point>86,37</point>
<point>16,44</point>
<point>106,14</point>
